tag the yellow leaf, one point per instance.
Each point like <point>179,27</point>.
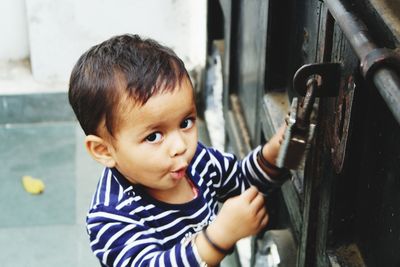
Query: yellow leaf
<point>32,185</point>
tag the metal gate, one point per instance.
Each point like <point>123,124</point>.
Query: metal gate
<point>343,208</point>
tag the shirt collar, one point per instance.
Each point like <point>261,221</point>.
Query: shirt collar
<point>126,185</point>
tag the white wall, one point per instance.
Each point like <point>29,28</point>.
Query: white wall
<point>60,31</point>
<point>54,33</point>
<point>13,30</point>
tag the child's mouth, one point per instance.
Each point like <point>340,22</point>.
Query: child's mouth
<point>178,174</point>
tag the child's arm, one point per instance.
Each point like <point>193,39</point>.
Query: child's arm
<point>258,168</point>
<point>270,152</point>
<point>245,214</point>
<point>240,216</point>
<point>121,240</point>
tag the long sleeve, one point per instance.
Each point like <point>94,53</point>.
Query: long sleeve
<point>231,176</point>
<point>118,240</point>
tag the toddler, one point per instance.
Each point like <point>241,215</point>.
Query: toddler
<point>156,203</point>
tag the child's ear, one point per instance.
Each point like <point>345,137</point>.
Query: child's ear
<point>99,149</point>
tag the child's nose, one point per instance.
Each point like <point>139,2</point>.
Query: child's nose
<point>178,145</point>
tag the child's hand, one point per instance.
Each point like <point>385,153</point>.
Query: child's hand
<point>271,148</point>
<point>239,217</point>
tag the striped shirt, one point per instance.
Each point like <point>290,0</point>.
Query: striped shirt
<point>127,227</point>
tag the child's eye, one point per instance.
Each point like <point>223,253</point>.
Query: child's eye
<point>187,123</point>
<point>154,137</point>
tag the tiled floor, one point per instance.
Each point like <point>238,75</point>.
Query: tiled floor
<point>46,229</point>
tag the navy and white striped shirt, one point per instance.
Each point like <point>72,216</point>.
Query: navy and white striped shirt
<point>127,227</point>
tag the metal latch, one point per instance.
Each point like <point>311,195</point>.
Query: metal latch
<point>310,81</point>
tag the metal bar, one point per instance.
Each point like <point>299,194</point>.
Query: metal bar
<point>353,28</point>
<point>385,80</point>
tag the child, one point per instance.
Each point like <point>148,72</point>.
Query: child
<point>156,203</point>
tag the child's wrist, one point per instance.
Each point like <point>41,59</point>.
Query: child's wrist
<point>270,152</point>
<point>268,160</point>
<point>221,237</point>
<point>215,244</point>
<point>268,163</point>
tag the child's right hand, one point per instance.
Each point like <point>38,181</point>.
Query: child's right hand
<point>239,217</point>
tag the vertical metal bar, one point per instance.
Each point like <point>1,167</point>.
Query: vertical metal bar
<point>385,80</point>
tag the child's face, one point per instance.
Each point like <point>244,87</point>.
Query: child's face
<point>156,142</point>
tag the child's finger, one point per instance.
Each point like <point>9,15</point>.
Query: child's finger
<point>250,194</point>
<point>258,202</point>
<point>261,214</point>
<point>264,221</point>
<point>281,130</point>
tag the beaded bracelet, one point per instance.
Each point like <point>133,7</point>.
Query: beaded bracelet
<point>215,246</point>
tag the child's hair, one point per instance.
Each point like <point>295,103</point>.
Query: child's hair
<point>122,67</point>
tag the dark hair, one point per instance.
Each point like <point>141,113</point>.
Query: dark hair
<point>124,65</point>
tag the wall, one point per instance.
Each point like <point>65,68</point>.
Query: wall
<point>13,30</point>
<point>60,31</point>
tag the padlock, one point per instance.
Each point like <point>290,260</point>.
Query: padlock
<point>301,123</point>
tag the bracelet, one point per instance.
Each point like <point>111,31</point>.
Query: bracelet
<point>215,246</point>
<point>266,163</point>
<point>283,173</point>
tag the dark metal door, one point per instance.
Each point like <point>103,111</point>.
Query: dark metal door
<point>343,209</point>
